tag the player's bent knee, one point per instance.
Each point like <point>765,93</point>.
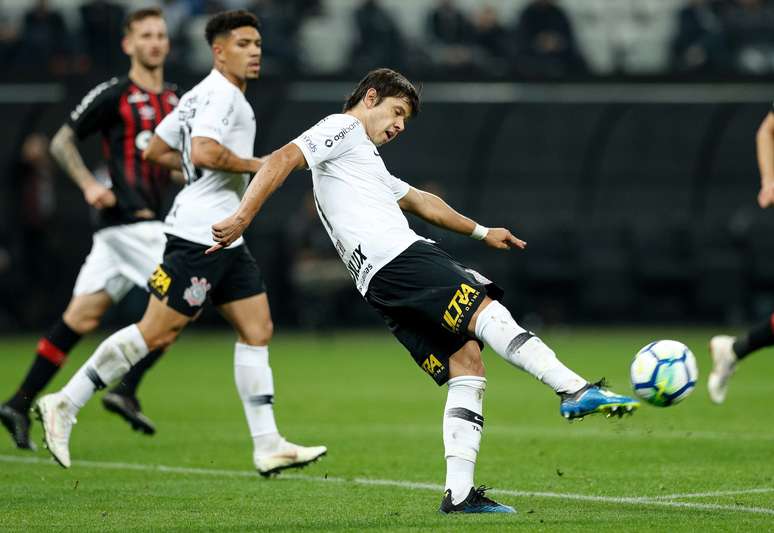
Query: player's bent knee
<point>467,361</point>
<point>259,335</point>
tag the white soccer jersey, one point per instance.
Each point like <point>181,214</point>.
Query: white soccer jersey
<point>218,110</point>
<point>357,198</point>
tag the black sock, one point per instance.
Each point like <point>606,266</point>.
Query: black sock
<point>758,337</point>
<point>51,354</point>
<point>128,384</point>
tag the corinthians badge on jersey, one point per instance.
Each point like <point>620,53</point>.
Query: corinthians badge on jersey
<point>197,292</point>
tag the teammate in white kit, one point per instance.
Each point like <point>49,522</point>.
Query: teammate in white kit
<point>211,135</point>
<point>439,310</point>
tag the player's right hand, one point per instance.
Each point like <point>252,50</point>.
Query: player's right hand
<point>766,195</point>
<point>99,196</point>
<point>502,239</point>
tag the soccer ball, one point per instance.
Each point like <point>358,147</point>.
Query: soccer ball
<point>664,372</point>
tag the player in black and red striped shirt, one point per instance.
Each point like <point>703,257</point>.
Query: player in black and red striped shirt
<point>129,238</point>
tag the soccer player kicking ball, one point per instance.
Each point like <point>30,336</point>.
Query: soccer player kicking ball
<point>214,129</point>
<point>438,309</point>
<point>727,351</point>
<point>129,239</point>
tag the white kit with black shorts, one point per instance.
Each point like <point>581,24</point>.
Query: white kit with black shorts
<point>186,278</point>
<point>356,196</point>
<point>425,296</point>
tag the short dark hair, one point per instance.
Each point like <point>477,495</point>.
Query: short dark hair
<point>141,14</point>
<point>224,22</point>
<point>386,82</point>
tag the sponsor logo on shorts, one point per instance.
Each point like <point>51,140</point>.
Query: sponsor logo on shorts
<point>459,305</point>
<point>160,281</point>
<point>432,366</point>
<point>197,292</point>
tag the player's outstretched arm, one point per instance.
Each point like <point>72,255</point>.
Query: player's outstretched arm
<point>764,144</point>
<point>66,153</point>
<point>269,178</point>
<point>433,209</point>
<point>209,153</point>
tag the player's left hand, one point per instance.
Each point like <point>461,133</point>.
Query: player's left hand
<point>226,232</point>
<point>766,195</point>
<point>502,239</point>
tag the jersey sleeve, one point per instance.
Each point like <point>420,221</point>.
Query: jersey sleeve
<point>215,117</point>
<point>97,109</point>
<point>399,187</point>
<point>169,129</point>
<point>328,139</point>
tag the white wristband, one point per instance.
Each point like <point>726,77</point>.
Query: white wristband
<point>479,232</point>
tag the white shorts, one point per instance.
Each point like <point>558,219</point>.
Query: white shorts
<point>122,256</point>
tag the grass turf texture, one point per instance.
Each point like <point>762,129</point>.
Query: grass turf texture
<point>362,396</point>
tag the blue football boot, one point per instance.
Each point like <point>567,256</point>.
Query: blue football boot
<point>593,398</point>
<point>476,502</point>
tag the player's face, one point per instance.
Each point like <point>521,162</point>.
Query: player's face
<point>241,53</point>
<point>148,42</point>
<point>386,120</point>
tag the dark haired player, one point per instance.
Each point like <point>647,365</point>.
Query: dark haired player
<point>214,130</point>
<point>129,238</point>
<point>727,351</point>
<point>438,309</point>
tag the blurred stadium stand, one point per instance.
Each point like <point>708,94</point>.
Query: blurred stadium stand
<point>636,195</point>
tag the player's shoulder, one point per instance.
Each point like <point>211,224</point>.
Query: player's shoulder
<point>99,96</point>
<point>111,87</point>
<point>338,121</point>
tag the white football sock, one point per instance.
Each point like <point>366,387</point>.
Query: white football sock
<point>463,424</point>
<point>497,328</point>
<point>111,360</point>
<point>255,385</point>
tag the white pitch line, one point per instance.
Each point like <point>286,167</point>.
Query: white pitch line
<point>651,501</point>
<point>732,492</point>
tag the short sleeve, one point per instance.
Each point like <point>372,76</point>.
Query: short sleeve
<point>398,187</point>
<point>328,139</point>
<point>169,129</point>
<point>95,110</point>
<point>215,116</point>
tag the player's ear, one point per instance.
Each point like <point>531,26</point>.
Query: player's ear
<point>371,98</point>
<point>126,45</point>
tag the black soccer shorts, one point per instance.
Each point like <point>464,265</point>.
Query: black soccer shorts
<point>187,277</point>
<point>427,300</point>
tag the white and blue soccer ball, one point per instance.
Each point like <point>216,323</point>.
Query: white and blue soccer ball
<point>664,372</point>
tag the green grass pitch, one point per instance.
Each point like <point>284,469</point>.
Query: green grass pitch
<point>694,466</point>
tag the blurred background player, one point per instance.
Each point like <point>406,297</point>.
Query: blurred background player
<point>440,310</point>
<point>726,351</point>
<point>129,238</point>
<point>214,127</point>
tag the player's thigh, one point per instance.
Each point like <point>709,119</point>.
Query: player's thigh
<point>85,311</point>
<point>139,248</point>
<point>251,319</point>
<point>467,361</point>
<point>160,325</point>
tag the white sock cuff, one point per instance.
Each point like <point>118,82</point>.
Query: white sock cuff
<point>474,382</point>
<point>254,356</point>
<point>132,343</point>
<point>495,310</point>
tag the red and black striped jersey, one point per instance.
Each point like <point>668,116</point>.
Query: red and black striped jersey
<point>125,115</point>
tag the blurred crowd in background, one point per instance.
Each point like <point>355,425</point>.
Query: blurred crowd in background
<point>502,39</point>
<point>656,167</point>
